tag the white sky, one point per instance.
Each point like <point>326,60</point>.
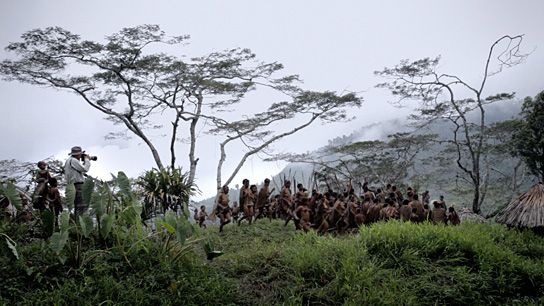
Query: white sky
<point>332,45</point>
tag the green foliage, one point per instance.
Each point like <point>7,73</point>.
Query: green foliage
<point>70,194</point>
<point>164,190</point>
<point>86,223</point>
<point>386,263</point>
<point>529,139</point>
<point>87,190</point>
<point>58,241</point>
<point>12,195</point>
<point>48,221</point>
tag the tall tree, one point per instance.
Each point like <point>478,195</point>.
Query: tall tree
<point>436,98</point>
<point>123,80</point>
<point>529,138</point>
<point>255,133</point>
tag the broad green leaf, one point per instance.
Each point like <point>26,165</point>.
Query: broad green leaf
<point>86,223</point>
<point>58,240</point>
<point>181,233</point>
<point>170,218</point>
<point>100,199</point>
<point>48,220</point>
<point>87,191</point>
<point>124,185</point>
<point>168,227</point>
<point>13,249</point>
<point>12,194</point>
<point>137,207</point>
<point>70,196</point>
<point>64,220</point>
<point>106,222</point>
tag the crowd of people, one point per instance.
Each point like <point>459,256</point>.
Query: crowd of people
<point>330,211</point>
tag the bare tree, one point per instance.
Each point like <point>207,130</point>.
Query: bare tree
<point>435,95</point>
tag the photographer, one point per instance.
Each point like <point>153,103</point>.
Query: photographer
<point>74,170</point>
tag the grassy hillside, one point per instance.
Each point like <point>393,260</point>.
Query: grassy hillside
<point>269,264</point>
<point>392,263</point>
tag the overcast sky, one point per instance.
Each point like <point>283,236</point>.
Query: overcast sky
<point>332,45</point>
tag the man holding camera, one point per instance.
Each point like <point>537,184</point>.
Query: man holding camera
<point>73,172</point>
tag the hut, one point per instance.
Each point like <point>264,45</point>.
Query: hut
<point>527,211</point>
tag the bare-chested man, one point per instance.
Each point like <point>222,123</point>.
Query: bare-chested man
<point>405,210</point>
<point>244,201</point>
<point>304,213</point>
<point>439,214</point>
<point>235,211</point>
<point>286,201</point>
<point>322,213</point>
<point>223,209</point>
<point>453,217</point>
<point>263,203</point>
<point>419,206</point>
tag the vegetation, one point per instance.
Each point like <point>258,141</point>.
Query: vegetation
<point>529,139</point>
<point>386,263</point>
<point>270,264</point>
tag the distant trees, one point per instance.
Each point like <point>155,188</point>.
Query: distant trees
<point>529,138</point>
<point>389,161</point>
<point>438,97</point>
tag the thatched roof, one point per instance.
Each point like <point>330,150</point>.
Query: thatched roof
<point>467,214</point>
<point>525,211</point>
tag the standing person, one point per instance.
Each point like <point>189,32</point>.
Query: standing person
<point>286,201</point>
<point>442,202</point>
<point>453,217</point>
<point>223,209</point>
<point>235,211</point>
<point>439,214</point>
<point>426,197</point>
<point>244,201</point>
<point>262,199</point>
<point>202,216</point>
<point>42,177</point>
<point>74,173</point>
<point>53,199</point>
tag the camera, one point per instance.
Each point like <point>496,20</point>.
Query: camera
<point>93,158</point>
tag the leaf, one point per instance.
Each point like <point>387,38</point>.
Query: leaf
<point>11,193</point>
<point>106,223</point>
<point>181,233</point>
<point>87,191</point>
<point>100,199</point>
<point>64,220</point>
<point>58,240</point>
<point>13,249</point>
<point>48,220</point>
<point>168,227</point>
<point>70,196</point>
<point>86,223</point>
<point>124,185</point>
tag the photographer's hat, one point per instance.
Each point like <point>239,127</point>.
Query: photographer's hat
<point>76,151</point>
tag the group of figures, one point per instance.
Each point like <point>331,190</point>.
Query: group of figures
<point>46,195</point>
<point>330,211</point>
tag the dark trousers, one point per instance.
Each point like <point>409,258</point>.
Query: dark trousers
<point>79,207</point>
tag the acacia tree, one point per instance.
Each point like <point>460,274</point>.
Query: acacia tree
<point>435,95</point>
<point>254,131</point>
<point>130,86</point>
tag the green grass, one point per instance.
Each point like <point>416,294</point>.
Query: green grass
<point>269,264</point>
<point>389,263</point>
